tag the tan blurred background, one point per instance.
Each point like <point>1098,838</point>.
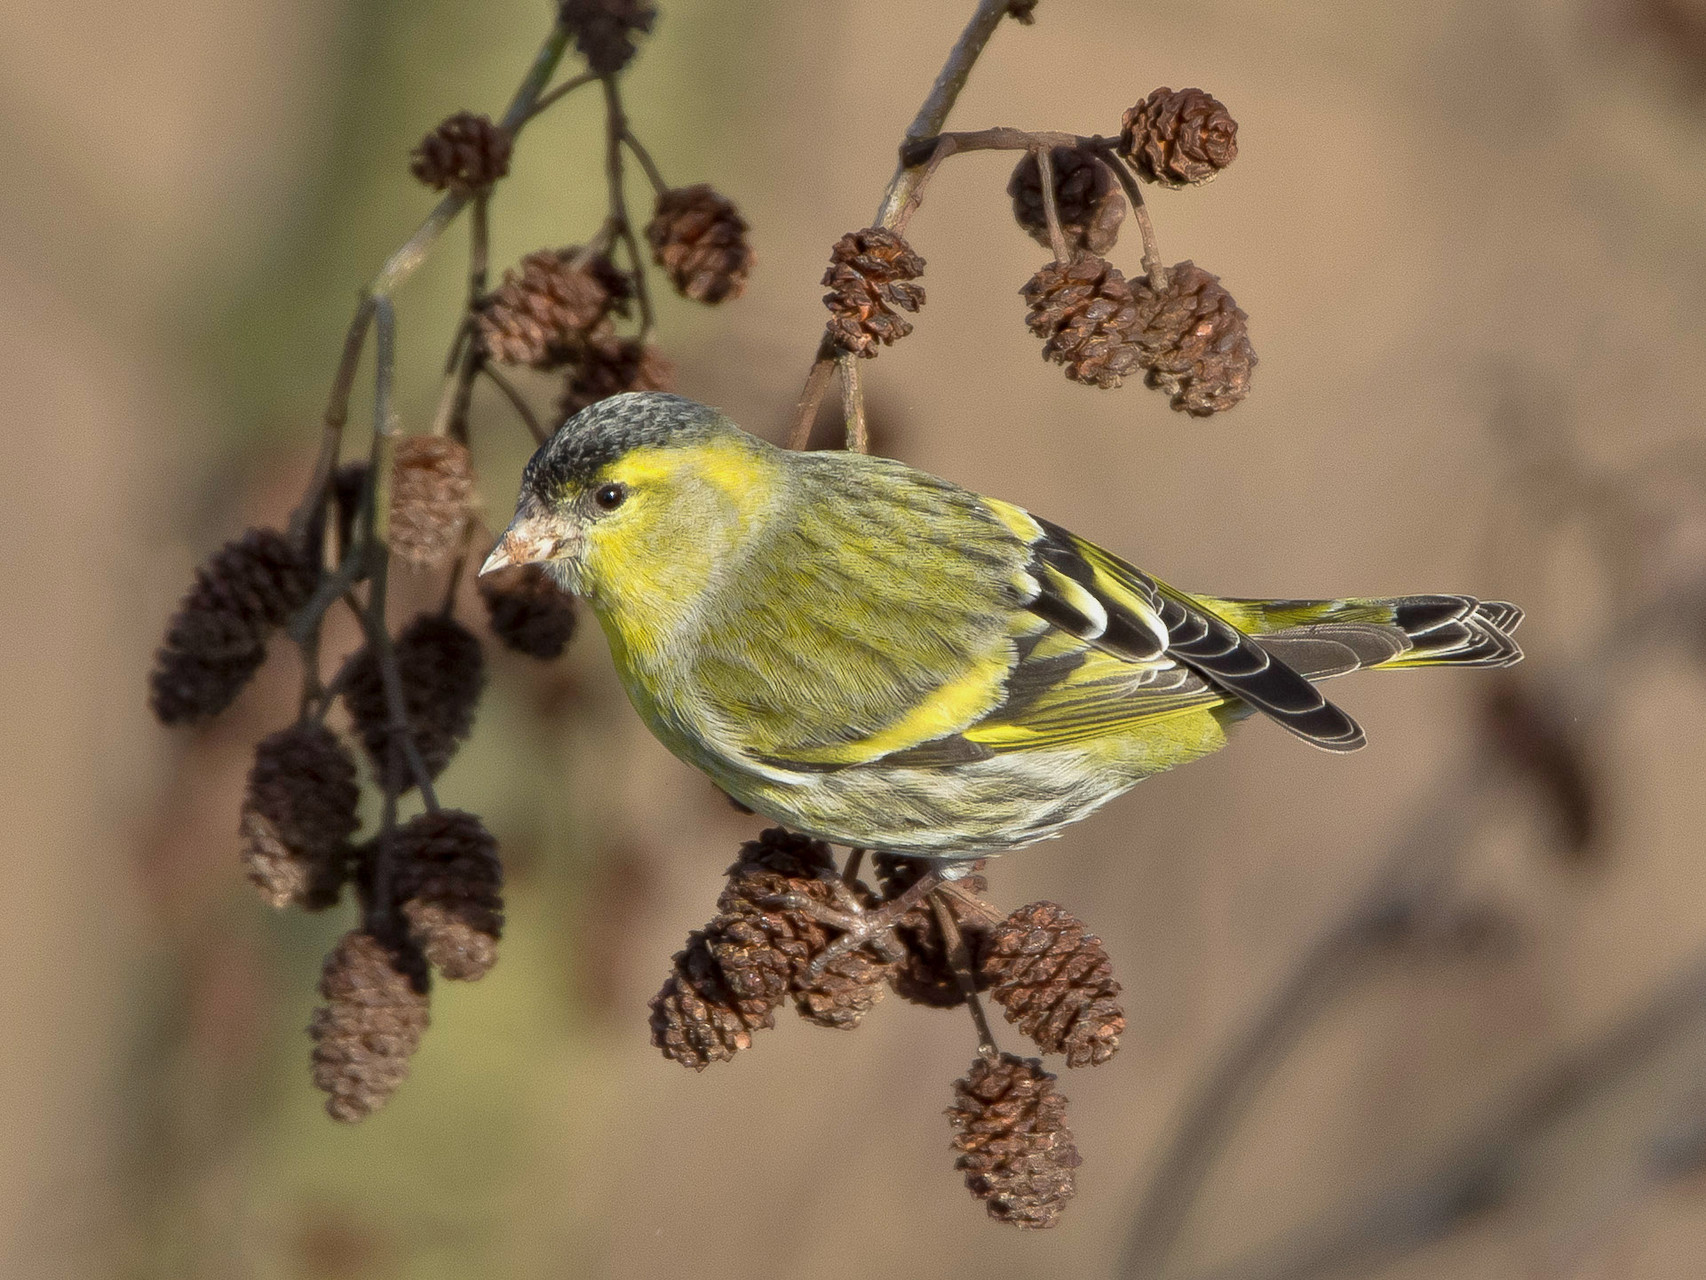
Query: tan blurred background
<point>1472,241</point>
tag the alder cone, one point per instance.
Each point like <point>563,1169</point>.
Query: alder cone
<point>217,639</point>
<point>696,1018</point>
<point>442,671</point>
<point>450,883</point>
<point>1179,139</point>
<point>605,30</point>
<point>371,1024</point>
<point>1084,311</point>
<point>870,279</point>
<point>550,306</point>
<point>466,152</point>
<point>699,238</point>
<point>607,366</point>
<point>1009,1126</point>
<point>299,813</point>
<point>431,489</point>
<point>1055,982</point>
<point>1087,198</point>
<point>1193,341</point>
<point>925,976</point>
<point>528,611</point>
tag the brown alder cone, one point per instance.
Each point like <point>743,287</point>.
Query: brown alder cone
<point>431,488</point>
<point>604,30</point>
<point>781,863</point>
<point>1193,341</point>
<point>466,152</point>
<point>1056,983</point>
<point>370,1025</point>
<point>841,995</point>
<point>1084,311</point>
<point>699,238</point>
<point>733,973</point>
<point>549,306</point>
<point>607,365</point>
<point>1179,139</point>
<point>442,671</point>
<point>1015,1149</point>
<point>869,278</point>
<point>696,1018</point>
<point>298,816</point>
<point>450,882</point>
<point>217,639</point>
<point>1087,199</point>
<point>925,977</point>
<point>528,611</point>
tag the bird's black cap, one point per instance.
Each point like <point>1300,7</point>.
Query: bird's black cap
<point>605,431</point>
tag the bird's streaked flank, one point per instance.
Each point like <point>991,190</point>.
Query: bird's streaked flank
<point>869,654</point>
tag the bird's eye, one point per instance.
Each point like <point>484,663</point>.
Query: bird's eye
<point>610,496</point>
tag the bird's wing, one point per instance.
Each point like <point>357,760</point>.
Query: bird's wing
<point>904,620</point>
<point>1171,654</point>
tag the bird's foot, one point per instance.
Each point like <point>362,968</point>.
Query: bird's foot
<point>856,924</point>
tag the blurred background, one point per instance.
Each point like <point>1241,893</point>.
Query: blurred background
<point>1437,1009</point>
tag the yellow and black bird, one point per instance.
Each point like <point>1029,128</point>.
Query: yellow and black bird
<point>870,654</point>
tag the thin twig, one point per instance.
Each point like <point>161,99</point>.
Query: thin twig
<point>376,520</point>
<point>811,396</point>
<point>940,101</point>
<point>901,195</point>
<point>646,162</point>
<point>959,960</point>
<point>1152,264</point>
<point>551,99</point>
<point>521,407</point>
<point>1051,210</point>
<point>853,403</point>
<point>615,128</point>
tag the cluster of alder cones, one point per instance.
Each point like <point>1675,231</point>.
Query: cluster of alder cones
<point>1176,325</point>
<point>556,309</point>
<point>429,889</point>
<point>775,939</point>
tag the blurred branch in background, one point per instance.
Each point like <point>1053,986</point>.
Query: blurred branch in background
<point>1536,731</point>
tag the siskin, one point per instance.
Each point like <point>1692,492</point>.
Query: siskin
<point>868,654</point>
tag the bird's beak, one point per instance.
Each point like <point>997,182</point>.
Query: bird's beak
<point>531,540</point>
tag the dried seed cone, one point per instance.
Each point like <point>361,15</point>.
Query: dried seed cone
<point>1015,1149</point>
<point>1086,196</point>
<point>442,672</point>
<point>548,307</point>
<point>841,996</point>
<point>776,864</point>
<point>431,489</point>
<point>298,816</point>
<point>1193,341</point>
<point>370,1025</point>
<point>607,366</point>
<point>1179,139</point>
<point>925,977</point>
<point>696,1018</point>
<point>217,639</point>
<point>1056,983</point>
<point>604,30</point>
<point>699,238</point>
<point>1084,310</point>
<point>528,611</point>
<point>869,278</point>
<point>450,883</point>
<point>465,153</point>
